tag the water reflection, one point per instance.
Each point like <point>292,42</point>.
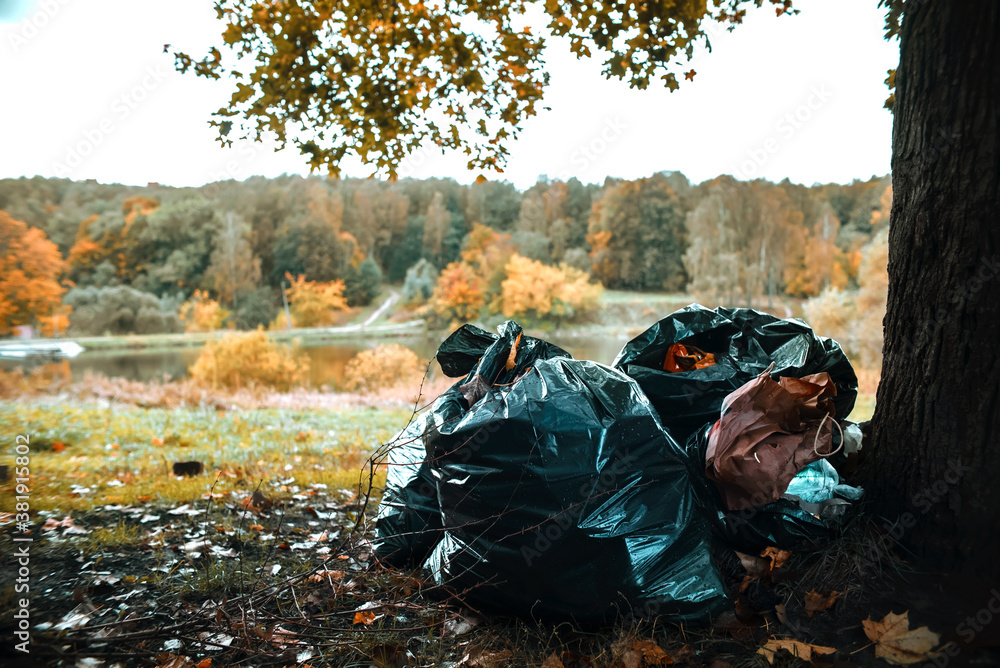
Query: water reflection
<point>327,362</point>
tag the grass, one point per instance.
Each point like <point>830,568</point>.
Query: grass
<point>660,299</point>
<point>86,456</point>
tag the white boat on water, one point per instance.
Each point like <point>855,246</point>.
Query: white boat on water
<point>56,349</point>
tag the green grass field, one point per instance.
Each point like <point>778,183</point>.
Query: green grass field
<point>85,456</point>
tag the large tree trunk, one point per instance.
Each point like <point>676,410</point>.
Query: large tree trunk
<point>934,465</point>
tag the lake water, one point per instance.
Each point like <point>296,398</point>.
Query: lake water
<point>327,361</point>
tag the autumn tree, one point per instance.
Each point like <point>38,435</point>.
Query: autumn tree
<point>460,293</point>
<point>541,292</point>
<point>813,261</point>
<point>638,237</point>
<point>854,317</point>
<point>495,204</point>
<point>419,284</point>
<point>738,234</point>
<point>392,208</point>
<point>437,222</point>
<point>30,269</point>
<point>201,313</point>
<point>313,303</point>
<point>170,248</point>
<point>486,253</point>
<point>232,266</point>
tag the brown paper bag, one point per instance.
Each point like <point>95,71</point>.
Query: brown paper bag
<point>768,432</point>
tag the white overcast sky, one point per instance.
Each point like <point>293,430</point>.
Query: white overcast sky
<point>88,93</point>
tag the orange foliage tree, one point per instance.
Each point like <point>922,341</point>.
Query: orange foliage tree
<point>487,253</point>
<point>201,313</point>
<point>459,293</point>
<point>115,246</point>
<point>537,290</point>
<point>85,253</point>
<point>313,303</point>
<point>30,267</point>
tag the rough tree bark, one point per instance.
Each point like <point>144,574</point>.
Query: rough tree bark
<point>935,445</point>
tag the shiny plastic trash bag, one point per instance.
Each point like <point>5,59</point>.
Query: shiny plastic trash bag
<point>743,342</point>
<point>560,494</point>
<point>408,524</point>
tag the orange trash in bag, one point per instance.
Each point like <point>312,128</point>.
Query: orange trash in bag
<point>768,432</point>
<point>685,358</point>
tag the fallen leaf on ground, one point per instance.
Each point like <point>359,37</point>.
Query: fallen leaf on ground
<point>652,654</point>
<point>510,364</point>
<point>66,524</point>
<point>460,626</point>
<point>366,617</point>
<point>755,566</point>
<point>574,660</point>
<point>897,643</point>
<point>728,622</point>
<point>782,613</point>
<point>816,602</point>
<point>477,657</point>
<point>798,649</point>
<point>166,660</point>
<point>776,556</point>
<point>204,663</point>
<point>553,661</point>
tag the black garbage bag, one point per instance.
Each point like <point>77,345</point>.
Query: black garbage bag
<point>408,524</point>
<point>744,342</point>
<point>561,496</point>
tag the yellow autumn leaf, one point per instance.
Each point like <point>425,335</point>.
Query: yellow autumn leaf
<point>796,648</point>
<point>816,602</point>
<point>652,654</point>
<point>897,643</point>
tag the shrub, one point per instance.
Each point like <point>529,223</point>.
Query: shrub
<point>254,309</point>
<point>362,283</point>
<point>249,359</point>
<point>383,368</point>
<point>201,313</point>
<point>118,310</point>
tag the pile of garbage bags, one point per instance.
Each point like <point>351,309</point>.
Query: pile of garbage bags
<point>554,488</point>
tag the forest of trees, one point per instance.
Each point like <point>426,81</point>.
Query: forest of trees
<point>131,259</point>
